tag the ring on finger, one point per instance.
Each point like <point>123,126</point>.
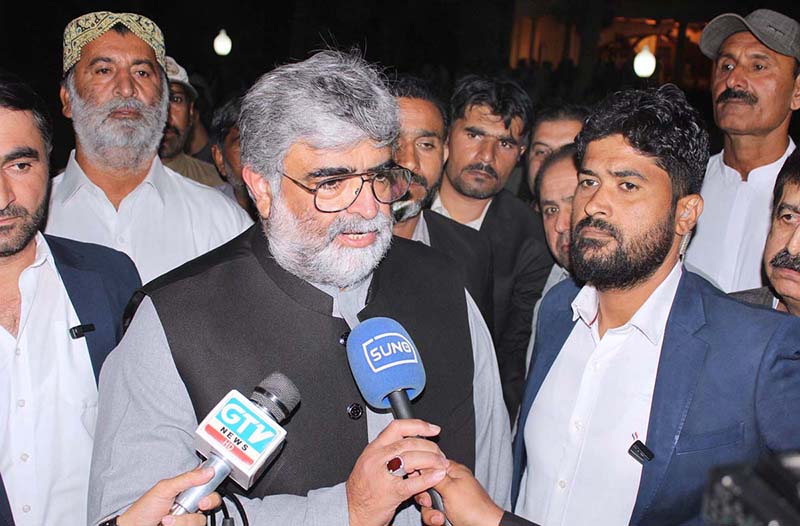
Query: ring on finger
<point>395,467</point>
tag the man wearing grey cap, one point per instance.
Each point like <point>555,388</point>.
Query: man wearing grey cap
<point>755,87</point>
<point>178,129</point>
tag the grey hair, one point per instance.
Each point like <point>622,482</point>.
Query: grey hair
<point>332,100</point>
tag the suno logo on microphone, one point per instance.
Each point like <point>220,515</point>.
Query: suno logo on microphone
<point>388,350</point>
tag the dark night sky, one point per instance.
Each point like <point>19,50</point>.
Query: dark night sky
<point>460,35</point>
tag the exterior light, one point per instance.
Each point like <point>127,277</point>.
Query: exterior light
<point>222,43</point>
<point>644,64</point>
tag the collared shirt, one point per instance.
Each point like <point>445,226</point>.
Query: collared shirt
<point>593,404</point>
<point>731,233</point>
<point>164,222</point>
<point>556,276</point>
<point>477,223</point>
<point>49,402</point>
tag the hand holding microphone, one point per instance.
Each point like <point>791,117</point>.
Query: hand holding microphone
<point>240,436</point>
<point>388,371</point>
<point>153,507</point>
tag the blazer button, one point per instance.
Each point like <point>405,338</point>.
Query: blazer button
<point>354,411</point>
<point>343,338</point>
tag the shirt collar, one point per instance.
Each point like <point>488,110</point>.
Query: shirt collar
<point>75,179</point>
<point>771,168</point>
<point>438,206</point>
<point>650,319</point>
<point>43,253</point>
<point>421,233</point>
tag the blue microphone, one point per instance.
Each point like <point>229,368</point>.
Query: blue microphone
<point>388,371</point>
<point>386,365</point>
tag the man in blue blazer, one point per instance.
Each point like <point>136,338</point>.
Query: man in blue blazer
<point>60,316</point>
<point>646,377</point>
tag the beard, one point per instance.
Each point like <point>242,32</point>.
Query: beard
<point>409,207</point>
<point>309,251</point>
<point>120,144</point>
<point>474,189</point>
<point>172,145</point>
<point>26,230</point>
<point>630,263</point>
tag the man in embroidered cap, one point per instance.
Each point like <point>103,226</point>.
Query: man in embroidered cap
<point>179,127</point>
<point>115,191</point>
<point>755,87</point>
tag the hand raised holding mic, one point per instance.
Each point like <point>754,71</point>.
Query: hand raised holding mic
<point>466,501</point>
<point>388,370</point>
<point>374,491</point>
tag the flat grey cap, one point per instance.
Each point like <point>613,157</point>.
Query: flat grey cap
<point>776,31</point>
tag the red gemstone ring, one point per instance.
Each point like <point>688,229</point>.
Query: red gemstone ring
<point>395,467</point>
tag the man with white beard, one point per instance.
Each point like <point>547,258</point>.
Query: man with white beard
<point>115,191</point>
<point>316,142</point>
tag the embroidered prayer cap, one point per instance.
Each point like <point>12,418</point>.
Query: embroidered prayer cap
<point>91,26</point>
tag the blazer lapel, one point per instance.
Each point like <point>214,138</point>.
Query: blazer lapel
<point>553,328</point>
<point>6,518</point>
<point>90,303</point>
<point>679,368</point>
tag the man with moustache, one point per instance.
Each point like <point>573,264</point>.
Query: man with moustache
<point>782,250</point>
<point>421,148</point>
<point>755,87</point>
<point>647,376</point>
<point>489,133</point>
<point>316,142</point>
<point>182,96</point>
<point>553,192</point>
<point>115,191</point>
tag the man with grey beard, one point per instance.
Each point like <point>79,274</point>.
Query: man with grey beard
<point>316,142</point>
<point>115,191</point>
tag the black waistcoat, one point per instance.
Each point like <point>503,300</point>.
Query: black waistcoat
<point>233,316</point>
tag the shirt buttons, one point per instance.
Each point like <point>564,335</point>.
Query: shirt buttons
<point>17,351</point>
<point>121,240</point>
<point>20,403</point>
<point>24,457</point>
<point>343,338</point>
<point>26,508</point>
<point>355,411</point>
<point>562,484</point>
<point>578,425</point>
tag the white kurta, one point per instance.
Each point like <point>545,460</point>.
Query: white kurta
<point>729,241</point>
<point>164,222</point>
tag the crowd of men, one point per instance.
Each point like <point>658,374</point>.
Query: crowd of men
<point>142,283</point>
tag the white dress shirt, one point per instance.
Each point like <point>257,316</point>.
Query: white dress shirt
<point>164,222</point>
<point>729,241</point>
<point>49,403</point>
<point>593,404</point>
<point>477,223</point>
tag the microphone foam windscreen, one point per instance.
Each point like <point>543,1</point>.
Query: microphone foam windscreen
<point>383,359</point>
<point>277,394</point>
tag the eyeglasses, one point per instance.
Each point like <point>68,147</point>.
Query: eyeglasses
<point>337,193</point>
